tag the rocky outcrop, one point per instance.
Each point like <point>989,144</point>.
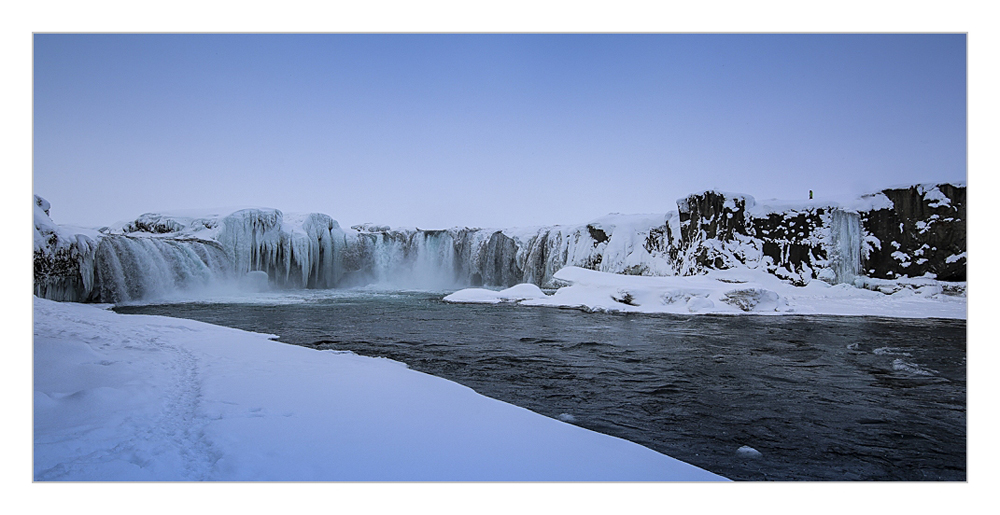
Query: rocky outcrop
<point>725,230</point>
<point>792,242</point>
<point>922,232</point>
<point>63,259</point>
<point>712,215</point>
<point>901,232</point>
<point>153,223</point>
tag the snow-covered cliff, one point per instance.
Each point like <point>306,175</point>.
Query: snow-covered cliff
<point>887,235</point>
<point>63,257</point>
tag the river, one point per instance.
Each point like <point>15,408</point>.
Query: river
<point>817,397</point>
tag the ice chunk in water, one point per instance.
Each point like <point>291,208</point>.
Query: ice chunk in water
<point>748,452</point>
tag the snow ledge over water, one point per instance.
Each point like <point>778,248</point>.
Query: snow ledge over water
<point>736,292</point>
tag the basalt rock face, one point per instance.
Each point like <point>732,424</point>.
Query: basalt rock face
<point>712,215</point>
<point>923,232</point>
<point>894,233</point>
<point>63,273</point>
<point>793,241</point>
<point>713,227</point>
<point>724,230</point>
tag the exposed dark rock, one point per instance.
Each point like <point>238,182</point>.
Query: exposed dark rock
<point>152,223</point>
<point>62,262</point>
<point>498,261</point>
<point>370,227</point>
<point>923,232</point>
<point>624,297</point>
<point>58,274</point>
<point>598,235</point>
<point>791,240</point>
<point>660,243</point>
<point>42,203</point>
<point>711,216</point>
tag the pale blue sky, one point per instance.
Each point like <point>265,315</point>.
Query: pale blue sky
<point>485,130</point>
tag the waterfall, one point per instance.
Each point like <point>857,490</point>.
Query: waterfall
<point>496,262</point>
<point>845,243</point>
<point>157,255</point>
<point>434,259</point>
<point>130,268</point>
<point>389,254</point>
<point>418,259</point>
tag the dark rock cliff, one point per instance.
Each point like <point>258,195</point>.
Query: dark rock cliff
<point>721,231</point>
<point>923,232</point>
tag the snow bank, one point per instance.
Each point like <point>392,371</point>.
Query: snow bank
<point>515,293</point>
<point>129,397</point>
<point>742,291</point>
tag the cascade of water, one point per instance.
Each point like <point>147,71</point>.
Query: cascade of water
<point>128,268</point>
<point>388,256</point>
<point>845,258</point>
<point>538,254</point>
<point>434,259</point>
<point>423,259</point>
<point>497,261</point>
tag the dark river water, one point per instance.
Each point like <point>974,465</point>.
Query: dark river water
<point>819,397</point>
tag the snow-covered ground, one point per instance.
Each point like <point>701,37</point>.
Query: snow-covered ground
<point>131,397</point>
<point>733,291</point>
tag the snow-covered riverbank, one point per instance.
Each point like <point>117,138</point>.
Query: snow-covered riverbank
<point>129,397</point>
<point>733,292</point>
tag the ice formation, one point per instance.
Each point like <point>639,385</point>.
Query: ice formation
<point>845,243</point>
<point>892,234</point>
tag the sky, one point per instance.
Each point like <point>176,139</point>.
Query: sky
<point>435,131</point>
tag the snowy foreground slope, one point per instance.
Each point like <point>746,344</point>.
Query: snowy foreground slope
<point>732,292</point>
<point>130,397</point>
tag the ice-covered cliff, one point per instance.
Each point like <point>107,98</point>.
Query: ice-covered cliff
<point>63,257</point>
<point>900,232</point>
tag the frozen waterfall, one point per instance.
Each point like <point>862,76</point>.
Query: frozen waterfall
<point>845,258</point>
<point>298,253</point>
